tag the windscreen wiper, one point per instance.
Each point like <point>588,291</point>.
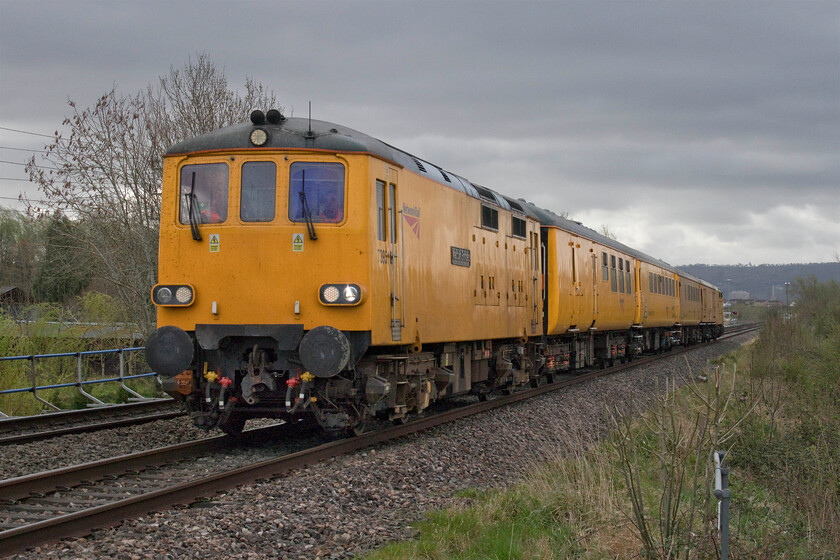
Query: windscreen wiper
<point>192,211</point>
<point>310,227</point>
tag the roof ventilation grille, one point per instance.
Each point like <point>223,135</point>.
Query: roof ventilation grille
<point>419,165</point>
<point>485,193</point>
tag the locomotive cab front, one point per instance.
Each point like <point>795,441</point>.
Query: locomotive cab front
<point>263,273</point>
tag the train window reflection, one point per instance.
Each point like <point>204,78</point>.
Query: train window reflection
<point>209,192</point>
<point>259,191</point>
<point>321,186</point>
<point>380,210</point>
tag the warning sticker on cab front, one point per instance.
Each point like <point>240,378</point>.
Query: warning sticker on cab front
<point>214,242</point>
<point>297,243</point>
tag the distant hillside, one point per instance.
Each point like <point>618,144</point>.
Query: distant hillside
<point>763,281</point>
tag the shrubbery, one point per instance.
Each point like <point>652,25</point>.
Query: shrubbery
<point>89,323</point>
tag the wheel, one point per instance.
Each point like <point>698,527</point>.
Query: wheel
<point>360,428</point>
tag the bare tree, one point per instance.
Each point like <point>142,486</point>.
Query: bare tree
<point>605,231</point>
<point>21,245</point>
<point>108,169</point>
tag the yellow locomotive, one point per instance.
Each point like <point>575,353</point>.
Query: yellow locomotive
<point>307,269</point>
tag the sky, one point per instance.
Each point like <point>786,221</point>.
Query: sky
<point>697,132</point>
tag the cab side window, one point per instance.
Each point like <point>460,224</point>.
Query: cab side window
<point>380,210</point>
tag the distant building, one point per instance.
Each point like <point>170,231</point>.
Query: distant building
<point>12,300</point>
<point>739,295</point>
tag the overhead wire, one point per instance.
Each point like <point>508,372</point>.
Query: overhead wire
<point>23,149</point>
<point>26,132</point>
<point>25,164</point>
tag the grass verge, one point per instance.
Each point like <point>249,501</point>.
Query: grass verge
<point>646,490</point>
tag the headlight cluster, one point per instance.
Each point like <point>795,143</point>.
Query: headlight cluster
<point>173,295</point>
<point>340,294</point>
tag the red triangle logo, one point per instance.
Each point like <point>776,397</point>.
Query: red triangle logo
<point>413,223</point>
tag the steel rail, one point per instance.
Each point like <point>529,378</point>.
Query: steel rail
<point>82,522</point>
<point>26,429</point>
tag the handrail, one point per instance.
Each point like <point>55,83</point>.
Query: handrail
<point>80,382</point>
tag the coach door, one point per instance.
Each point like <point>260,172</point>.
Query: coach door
<point>396,245</point>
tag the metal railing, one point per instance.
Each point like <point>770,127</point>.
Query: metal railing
<point>80,382</point>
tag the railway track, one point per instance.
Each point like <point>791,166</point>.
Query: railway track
<point>33,428</point>
<point>25,429</point>
<point>71,502</point>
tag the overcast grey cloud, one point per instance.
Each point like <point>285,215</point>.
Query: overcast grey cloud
<point>696,131</point>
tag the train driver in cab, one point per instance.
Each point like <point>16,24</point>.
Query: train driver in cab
<point>331,210</point>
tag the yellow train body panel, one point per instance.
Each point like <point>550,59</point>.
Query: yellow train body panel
<point>691,308</point>
<point>264,273</point>
<point>712,302</point>
<point>660,302</point>
<point>589,286</point>
<point>270,273</point>
<point>438,301</point>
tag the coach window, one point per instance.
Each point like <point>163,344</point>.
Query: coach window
<point>318,188</point>
<point>613,278</point>
<point>380,210</point>
<point>204,187</point>
<point>518,227</point>
<point>259,191</point>
<point>489,218</point>
<point>621,275</point>
<point>535,250</point>
<point>605,268</point>
<point>627,273</point>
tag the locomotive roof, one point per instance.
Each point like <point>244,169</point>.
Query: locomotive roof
<point>307,134</point>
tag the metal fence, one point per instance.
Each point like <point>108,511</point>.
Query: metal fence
<point>79,382</point>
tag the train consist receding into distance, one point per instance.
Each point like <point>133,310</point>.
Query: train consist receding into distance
<point>308,270</point>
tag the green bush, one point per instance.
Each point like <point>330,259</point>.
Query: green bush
<point>56,329</point>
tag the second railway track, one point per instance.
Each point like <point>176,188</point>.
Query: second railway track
<point>25,429</point>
